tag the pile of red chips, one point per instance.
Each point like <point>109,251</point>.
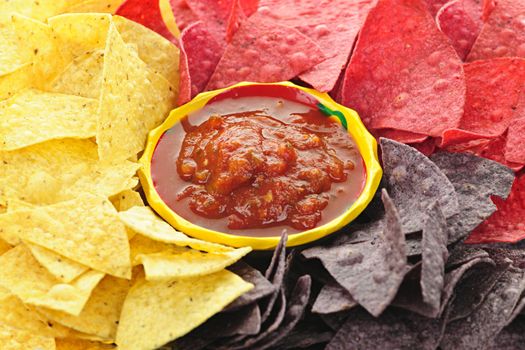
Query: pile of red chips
<point>434,74</point>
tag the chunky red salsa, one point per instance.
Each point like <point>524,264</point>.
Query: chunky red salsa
<point>258,164</point>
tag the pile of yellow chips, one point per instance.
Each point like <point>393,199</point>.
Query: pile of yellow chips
<point>84,263</point>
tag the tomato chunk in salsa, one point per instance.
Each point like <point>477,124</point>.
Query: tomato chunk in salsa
<point>256,165</point>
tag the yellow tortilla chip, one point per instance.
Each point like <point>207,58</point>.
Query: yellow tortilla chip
<point>101,314</point>
<point>64,269</point>
<point>78,33</point>
<point>102,6</point>
<point>33,284</point>
<point>17,339</point>
<point>79,344</point>
<point>127,199</point>
<point>134,100</point>
<point>19,79</point>
<point>82,77</point>
<point>144,221</point>
<point>39,10</point>
<point>86,230</point>
<point>34,116</point>
<point>157,52</point>
<point>4,246</point>
<point>189,263</point>
<point>59,170</point>
<point>144,322</point>
<point>39,46</point>
<point>11,57</point>
<point>169,18</point>
<point>140,245</point>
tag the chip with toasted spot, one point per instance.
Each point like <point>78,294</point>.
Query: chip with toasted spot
<point>33,284</point>
<point>133,101</point>
<point>59,170</point>
<point>34,116</point>
<point>144,221</point>
<point>127,199</point>
<point>80,344</point>
<point>86,230</point>
<point>144,322</point>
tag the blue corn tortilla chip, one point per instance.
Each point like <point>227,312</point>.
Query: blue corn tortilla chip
<point>409,296</point>
<point>335,320</point>
<point>295,310</point>
<point>511,337</point>
<point>262,289</point>
<point>308,332</point>
<point>461,254</point>
<point>370,271</point>
<point>414,183</point>
<point>394,329</point>
<point>243,321</point>
<point>475,180</point>
<point>484,323</point>
<point>333,298</point>
<point>434,255</point>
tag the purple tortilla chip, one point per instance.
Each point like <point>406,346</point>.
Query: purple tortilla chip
<point>502,35</point>
<point>473,289</point>
<point>478,330</point>
<point>332,24</point>
<point>333,298</point>
<point>295,310</point>
<point>456,22</point>
<point>434,255</point>
<point>394,329</point>
<point>409,296</point>
<point>373,270</point>
<point>517,310</point>
<point>202,52</point>
<point>244,321</point>
<point>308,332</point>
<point>415,183</point>
<point>461,254</point>
<point>475,180</point>
<point>335,320</point>
<point>264,51</point>
<point>511,337</point>
<point>263,287</point>
<point>275,274</point>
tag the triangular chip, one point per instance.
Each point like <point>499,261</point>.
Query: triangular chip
<point>34,116</point>
<point>133,101</point>
<point>187,263</point>
<point>396,77</point>
<point>86,230</point>
<point>144,221</point>
<point>101,314</point>
<point>264,51</point>
<point>59,170</point>
<point>144,322</point>
<point>64,269</point>
<point>32,283</point>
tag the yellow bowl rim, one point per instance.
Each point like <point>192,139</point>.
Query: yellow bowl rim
<point>366,144</point>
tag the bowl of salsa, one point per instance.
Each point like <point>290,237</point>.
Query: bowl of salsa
<point>240,165</point>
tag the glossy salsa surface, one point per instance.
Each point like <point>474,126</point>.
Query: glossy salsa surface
<point>256,165</point>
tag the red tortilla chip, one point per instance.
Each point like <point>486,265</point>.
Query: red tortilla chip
<point>147,13</point>
<point>183,14</point>
<point>264,51</point>
<point>493,92</point>
<point>507,225</point>
<point>426,147</point>
<point>400,135</point>
<point>333,25</point>
<point>515,147</point>
<point>466,139</point>
<point>201,55</point>
<point>235,19</point>
<point>214,13</point>
<point>404,73</point>
<point>433,6</point>
<point>461,26</point>
<point>503,34</point>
